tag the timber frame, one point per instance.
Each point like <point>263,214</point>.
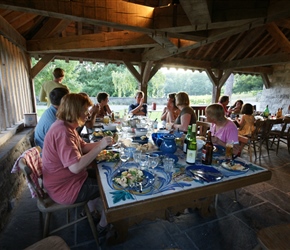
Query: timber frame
<point>216,36</point>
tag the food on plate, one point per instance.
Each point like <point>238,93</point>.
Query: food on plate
<point>145,147</point>
<point>106,133</point>
<point>129,177</point>
<point>235,166</point>
<point>106,155</point>
<point>143,137</point>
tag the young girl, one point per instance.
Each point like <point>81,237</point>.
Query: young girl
<point>247,122</point>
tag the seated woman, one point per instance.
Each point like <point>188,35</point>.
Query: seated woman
<point>222,129</point>
<point>224,101</point>
<point>171,111</point>
<point>66,156</point>
<point>104,109</point>
<point>247,122</point>
<point>138,108</point>
<point>235,109</point>
<point>187,115</point>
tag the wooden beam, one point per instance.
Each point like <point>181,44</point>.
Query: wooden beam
<point>11,34</point>
<point>40,65</point>
<point>91,42</point>
<point>255,62</point>
<point>51,28</point>
<point>279,37</point>
<point>266,80</point>
<point>133,71</point>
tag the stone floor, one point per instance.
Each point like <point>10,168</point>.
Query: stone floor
<point>233,227</point>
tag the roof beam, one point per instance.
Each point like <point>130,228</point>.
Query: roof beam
<point>279,37</point>
<point>10,33</point>
<point>257,61</point>
<point>91,42</point>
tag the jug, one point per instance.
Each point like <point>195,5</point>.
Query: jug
<point>168,144</point>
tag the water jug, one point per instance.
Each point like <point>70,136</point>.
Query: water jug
<point>168,145</point>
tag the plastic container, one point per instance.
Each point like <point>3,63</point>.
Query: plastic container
<point>30,120</point>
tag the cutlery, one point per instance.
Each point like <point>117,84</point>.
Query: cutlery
<point>199,175</point>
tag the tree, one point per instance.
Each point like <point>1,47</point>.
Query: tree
<point>248,83</point>
<point>46,74</point>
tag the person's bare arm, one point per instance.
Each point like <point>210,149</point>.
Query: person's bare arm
<point>91,150</point>
<point>184,122</point>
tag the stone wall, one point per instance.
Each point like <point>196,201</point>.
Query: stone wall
<point>278,95</point>
<point>12,184</point>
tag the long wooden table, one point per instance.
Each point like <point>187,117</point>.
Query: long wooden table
<point>168,195</point>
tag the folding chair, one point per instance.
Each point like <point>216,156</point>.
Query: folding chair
<point>46,205</point>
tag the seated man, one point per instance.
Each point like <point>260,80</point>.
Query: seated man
<point>139,108</point>
<point>49,115</point>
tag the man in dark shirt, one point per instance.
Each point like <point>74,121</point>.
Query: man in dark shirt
<point>139,108</point>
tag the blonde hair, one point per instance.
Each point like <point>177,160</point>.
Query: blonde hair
<point>72,106</point>
<point>182,98</point>
<point>215,111</point>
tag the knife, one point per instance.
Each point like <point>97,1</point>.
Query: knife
<point>199,175</point>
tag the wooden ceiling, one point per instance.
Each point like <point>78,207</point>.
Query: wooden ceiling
<point>247,36</point>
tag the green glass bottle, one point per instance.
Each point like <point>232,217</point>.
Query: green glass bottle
<point>186,139</point>
<point>191,146</point>
<point>266,112</point>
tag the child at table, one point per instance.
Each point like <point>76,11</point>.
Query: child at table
<point>247,122</point>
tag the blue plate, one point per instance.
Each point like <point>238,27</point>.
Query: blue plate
<point>147,182</point>
<point>204,172</point>
<point>167,155</point>
<point>138,139</point>
<point>231,166</point>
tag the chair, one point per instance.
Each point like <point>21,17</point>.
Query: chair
<point>202,128</point>
<point>261,134</point>
<point>46,205</point>
<point>51,242</point>
<point>281,135</point>
<point>245,141</point>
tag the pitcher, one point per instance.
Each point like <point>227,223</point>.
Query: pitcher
<point>168,144</point>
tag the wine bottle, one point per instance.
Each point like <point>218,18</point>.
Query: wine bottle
<point>191,146</point>
<point>207,150</point>
<point>266,112</point>
<point>186,139</point>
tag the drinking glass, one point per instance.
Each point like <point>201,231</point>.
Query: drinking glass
<point>136,156</point>
<point>124,156</point>
<point>106,119</point>
<point>153,160</point>
<point>143,161</point>
<point>229,151</point>
<point>168,164</point>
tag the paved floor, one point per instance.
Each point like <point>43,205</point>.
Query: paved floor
<point>233,227</point>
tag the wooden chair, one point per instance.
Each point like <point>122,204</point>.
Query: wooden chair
<point>47,206</point>
<point>245,141</point>
<point>281,135</point>
<point>261,134</point>
<point>51,242</point>
<point>202,128</point>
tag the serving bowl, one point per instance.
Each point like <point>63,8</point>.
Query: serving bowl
<point>141,131</point>
<point>110,126</point>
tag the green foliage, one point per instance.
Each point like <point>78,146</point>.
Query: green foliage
<point>46,75</point>
<point>248,83</point>
<point>125,85</point>
<point>117,81</point>
<point>194,83</point>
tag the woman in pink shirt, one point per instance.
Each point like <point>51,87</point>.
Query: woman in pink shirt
<point>66,157</point>
<point>222,129</point>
